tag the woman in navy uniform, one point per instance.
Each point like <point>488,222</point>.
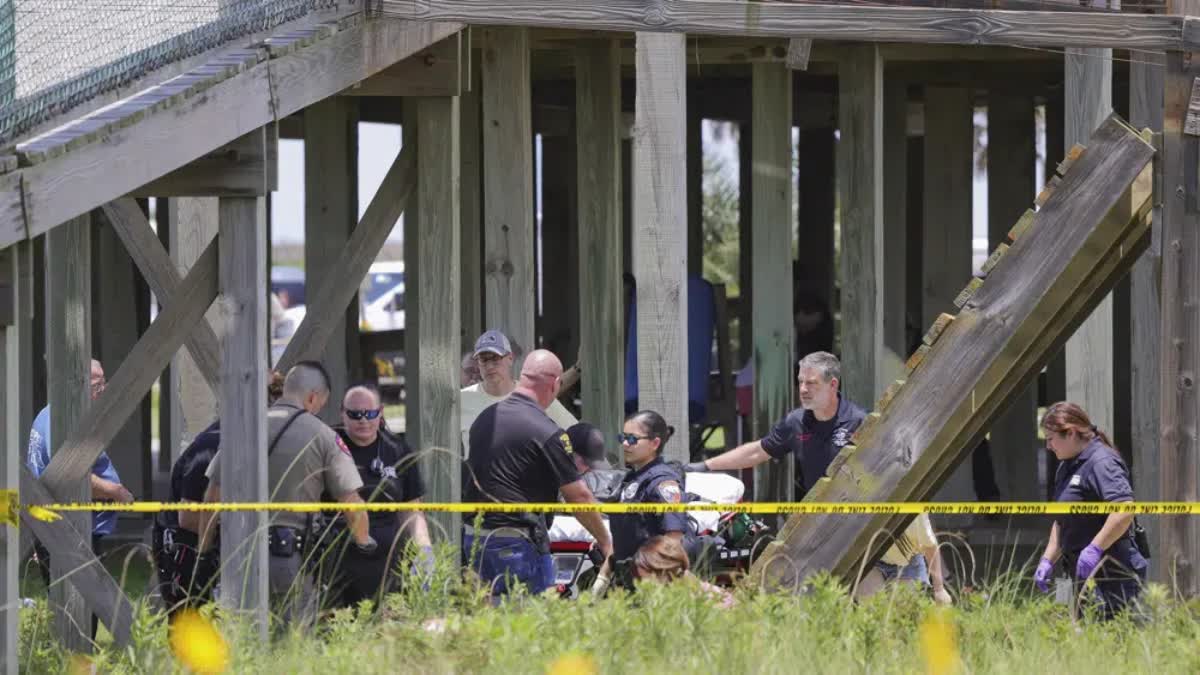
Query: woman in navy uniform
<point>649,480</point>
<point>389,474</point>
<point>1098,546</point>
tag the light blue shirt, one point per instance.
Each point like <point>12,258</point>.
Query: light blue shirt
<point>38,458</point>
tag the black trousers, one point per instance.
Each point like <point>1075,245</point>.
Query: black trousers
<point>43,561</point>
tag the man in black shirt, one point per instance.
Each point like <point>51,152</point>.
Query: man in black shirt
<point>519,455</point>
<point>185,576</point>
<point>815,432</point>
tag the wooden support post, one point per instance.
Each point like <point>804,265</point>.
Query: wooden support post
<point>1011,160</point>
<point>509,298</point>
<point>1146,80</point>
<point>12,441</point>
<point>1089,352</point>
<point>434,368</point>
<point>471,211</point>
<point>895,235</point>
<point>193,225</point>
<point>243,265</point>
<point>598,173</point>
<point>114,333</point>
<point>330,214</point>
<point>860,184</point>
<point>69,355</point>
<point>660,230</point>
<point>774,331</point>
<point>1180,338</point>
<point>946,248</point>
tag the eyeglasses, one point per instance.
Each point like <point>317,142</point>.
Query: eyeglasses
<point>489,357</point>
<point>363,414</point>
<point>630,439</point>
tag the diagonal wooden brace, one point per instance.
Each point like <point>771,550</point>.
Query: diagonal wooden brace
<point>134,229</point>
<point>354,262</point>
<point>73,549</point>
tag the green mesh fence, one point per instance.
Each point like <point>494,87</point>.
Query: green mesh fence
<point>56,54</point>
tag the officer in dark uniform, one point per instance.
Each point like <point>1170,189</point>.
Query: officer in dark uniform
<point>519,455</point>
<point>390,474</point>
<point>650,480</point>
<point>1101,547</point>
<point>185,576</point>
<point>815,432</point>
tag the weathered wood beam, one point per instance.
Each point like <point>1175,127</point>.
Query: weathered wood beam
<point>330,214</point>
<point>11,443</point>
<point>83,444</point>
<point>38,198</point>
<point>390,201</point>
<point>601,293</point>
<point>860,184</point>
<point>823,22</point>
<point>1089,353</point>
<point>242,241</point>
<point>1011,157</point>
<point>798,52</point>
<point>660,230</point>
<point>439,70</point>
<point>1146,91</point>
<point>771,221</point>
<point>245,167</point>
<point>132,226</point>
<point>434,368</point>
<point>508,208</point>
<point>1180,334</point>
<point>69,358</point>
<point>1087,234</point>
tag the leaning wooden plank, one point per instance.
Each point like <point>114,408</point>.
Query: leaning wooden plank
<point>1085,236</point>
<point>355,260</point>
<point>144,247</point>
<point>141,368</point>
<point>87,574</point>
<point>823,22</point>
<point>157,144</point>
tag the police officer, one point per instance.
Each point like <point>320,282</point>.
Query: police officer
<point>1102,547</point>
<point>815,432</point>
<point>650,480</point>
<point>390,474</point>
<point>185,576</point>
<point>519,455</point>
<point>305,458</point>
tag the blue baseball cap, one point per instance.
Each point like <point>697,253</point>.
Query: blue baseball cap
<point>493,341</point>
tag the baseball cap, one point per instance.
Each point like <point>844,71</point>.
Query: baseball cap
<point>588,442</point>
<point>493,341</point>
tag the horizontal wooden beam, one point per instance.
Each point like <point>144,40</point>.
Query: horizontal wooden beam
<point>247,167</point>
<point>160,141</point>
<point>140,369</point>
<point>163,277</point>
<point>437,71</point>
<point>74,550</point>
<point>353,263</point>
<point>823,22</point>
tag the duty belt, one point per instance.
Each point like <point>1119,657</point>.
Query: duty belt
<point>507,531</point>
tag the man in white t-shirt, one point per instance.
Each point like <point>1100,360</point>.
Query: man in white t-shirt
<point>494,355</point>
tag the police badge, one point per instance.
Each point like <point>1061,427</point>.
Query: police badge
<point>629,491</point>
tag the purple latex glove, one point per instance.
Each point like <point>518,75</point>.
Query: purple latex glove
<point>1041,578</point>
<point>1088,559</point>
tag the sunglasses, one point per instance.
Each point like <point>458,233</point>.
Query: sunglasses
<point>630,439</point>
<point>363,414</point>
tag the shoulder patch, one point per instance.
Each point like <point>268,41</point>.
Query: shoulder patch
<point>669,492</point>
<point>566,441</point>
<point>341,444</point>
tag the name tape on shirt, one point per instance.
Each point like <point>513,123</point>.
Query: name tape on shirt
<point>51,511</point>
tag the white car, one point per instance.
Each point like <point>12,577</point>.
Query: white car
<point>381,298</point>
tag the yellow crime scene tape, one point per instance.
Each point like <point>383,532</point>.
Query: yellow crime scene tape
<point>52,511</point>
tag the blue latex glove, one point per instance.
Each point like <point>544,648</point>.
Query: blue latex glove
<point>1041,578</point>
<point>1088,559</point>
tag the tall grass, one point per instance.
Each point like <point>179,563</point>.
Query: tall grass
<point>1002,628</point>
